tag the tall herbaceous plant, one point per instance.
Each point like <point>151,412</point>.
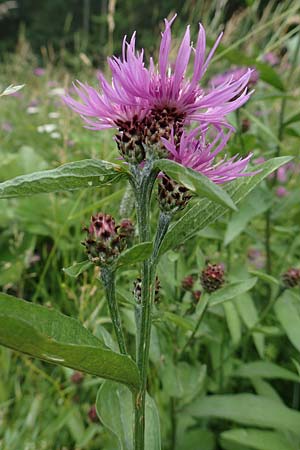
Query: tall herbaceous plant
<point>171,134</point>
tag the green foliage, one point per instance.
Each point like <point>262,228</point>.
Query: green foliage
<point>78,175</point>
<point>227,379</point>
<point>114,404</point>
<point>53,337</point>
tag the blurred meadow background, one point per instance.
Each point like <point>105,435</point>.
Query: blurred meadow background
<point>252,344</point>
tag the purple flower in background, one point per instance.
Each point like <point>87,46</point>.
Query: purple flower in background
<point>271,58</point>
<point>39,71</point>
<point>159,93</point>
<point>234,75</point>
<point>200,153</point>
<point>7,127</point>
<point>256,258</point>
<point>281,191</point>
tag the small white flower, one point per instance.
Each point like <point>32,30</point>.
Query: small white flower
<point>54,115</point>
<point>57,91</point>
<point>47,128</point>
<point>55,135</point>
<point>32,110</point>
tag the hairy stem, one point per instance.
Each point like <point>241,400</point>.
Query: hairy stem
<point>108,280</point>
<point>143,185</point>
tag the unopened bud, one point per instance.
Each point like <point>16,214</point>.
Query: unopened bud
<point>103,242</point>
<point>77,377</point>
<point>172,196</point>
<point>291,278</point>
<point>196,296</point>
<point>126,230</point>
<point>212,277</point>
<point>93,414</point>
<point>137,290</point>
<point>188,282</point>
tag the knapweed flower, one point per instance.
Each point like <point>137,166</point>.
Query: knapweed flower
<point>196,151</point>
<point>137,290</point>
<point>145,104</point>
<point>104,241</point>
<point>281,191</point>
<point>212,277</point>
<point>271,58</point>
<point>291,278</point>
<point>188,282</point>
<point>234,75</point>
<point>172,196</point>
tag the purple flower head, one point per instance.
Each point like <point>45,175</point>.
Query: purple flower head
<point>200,153</point>
<point>271,58</point>
<point>281,191</point>
<point>234,75</point>
<point>39,71</point>
<point>7,127</point>
<point>146,103</point>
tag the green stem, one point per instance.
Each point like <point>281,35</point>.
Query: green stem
<point>204,305</point>
<point>108,280</point>
<point>143,185</point>
<point>143,182</point>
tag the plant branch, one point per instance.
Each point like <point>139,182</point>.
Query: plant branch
<point>108,280</point>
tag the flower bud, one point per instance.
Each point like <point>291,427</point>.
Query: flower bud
<point>196,296</point>
<point>212,277</point>
<point>126,230</point>
<point>103,242</point>
<point>130,141</point>
<point>77,377</point>
<point>93,414</point>
<point>245,125</point>
<point>137,290</point>
<point>172,196</point>
<point>291,278</point>
<point>188,282</point>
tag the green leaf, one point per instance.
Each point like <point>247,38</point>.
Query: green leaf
<point>76,175</point>
<point>257,439</point>
<point>114,406</point>
<point>288,313</point>
<point>135,254</point>
<point>231,291</point>
<point>255,204</point>
<point>264,277</point>
<point>196,182</point>
<point>265,389</point>
<point>293,118</point>
<point>248,409</point>
<point>248,312</point>
<point>265,369</point>
<point>202,213</point>
<point>51,336</point>
<point>76,269</point>
<point>233,322</point>
<point>182,322</point>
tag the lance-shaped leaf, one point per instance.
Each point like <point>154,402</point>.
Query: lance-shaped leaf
<point>201,213</point>
<point>78,268</point>
<point>51,336</point>
<point>135,254</point>
<point>248,409</point>
<point>196,182</point>
<point>115,408</point>
<point>231,291</point>
<point>68,177</point>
